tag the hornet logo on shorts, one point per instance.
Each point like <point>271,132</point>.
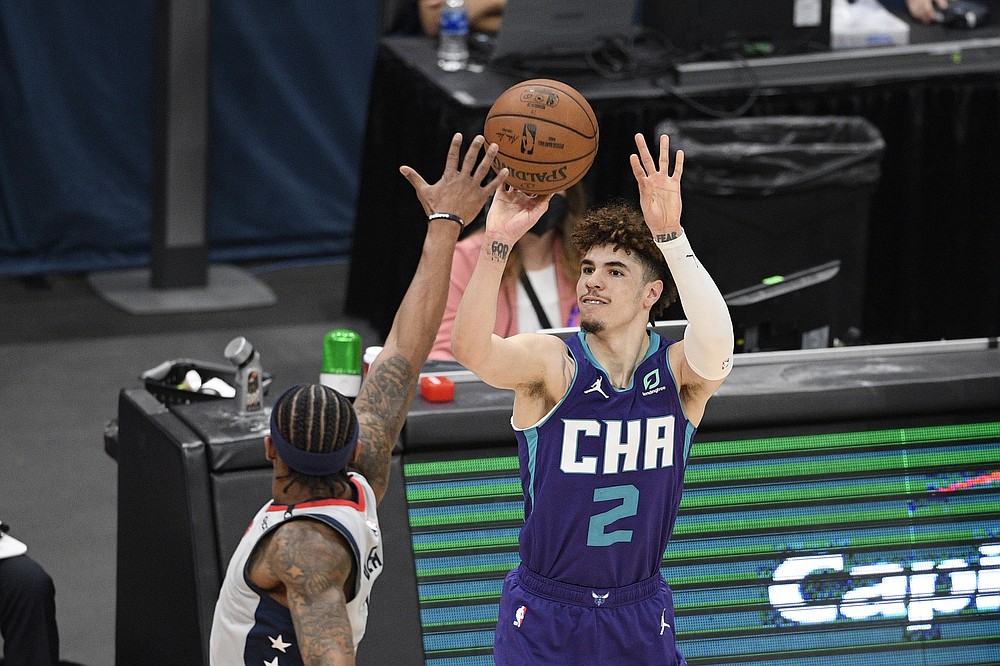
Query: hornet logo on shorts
<point>519,616</point>
<point>600,598</point>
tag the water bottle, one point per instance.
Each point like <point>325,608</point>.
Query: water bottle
<point>453,47</point>
<point>249,376</point>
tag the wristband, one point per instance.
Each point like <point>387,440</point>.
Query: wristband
<point>447,216</point>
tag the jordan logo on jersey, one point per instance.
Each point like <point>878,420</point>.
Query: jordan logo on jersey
<point>663,621</point>
<point>597,387</point>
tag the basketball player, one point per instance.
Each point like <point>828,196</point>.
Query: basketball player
<point>604,422</point>
<point>296,591</point>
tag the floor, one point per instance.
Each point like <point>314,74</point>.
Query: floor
<point>65,353</point>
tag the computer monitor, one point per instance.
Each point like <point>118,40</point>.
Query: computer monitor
<point>800,310</point>
<point>721,28</point>
<point>558,28</point>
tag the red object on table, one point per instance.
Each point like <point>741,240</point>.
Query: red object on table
<point>437,389</point>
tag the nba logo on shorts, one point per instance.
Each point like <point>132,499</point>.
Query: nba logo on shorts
<point>528,139</point>
<point>519,616</point>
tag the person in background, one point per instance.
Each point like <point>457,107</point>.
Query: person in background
<point>921,10</point>
<point>604,422</point>
<point>484,15</point>
<point>297,587</point>
<point>27,608</point>
<point>543,260</point>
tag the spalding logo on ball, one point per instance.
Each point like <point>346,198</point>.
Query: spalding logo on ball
<point>547,134</point>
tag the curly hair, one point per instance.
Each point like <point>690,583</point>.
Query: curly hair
<point>316,419</point>
<point>621,225</point>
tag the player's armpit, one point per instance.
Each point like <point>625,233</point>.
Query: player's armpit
<point>694,389</point>
<point>314,563</point>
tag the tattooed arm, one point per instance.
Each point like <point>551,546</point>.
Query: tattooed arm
<point>309,567</point>
<point>388,390</point>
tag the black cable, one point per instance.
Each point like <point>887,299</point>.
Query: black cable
<point>721,114</point>
<point>645,54</point>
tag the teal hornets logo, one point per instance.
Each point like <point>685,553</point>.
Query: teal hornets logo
<point>651,383</point>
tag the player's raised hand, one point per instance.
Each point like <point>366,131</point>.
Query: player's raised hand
<point>513,212</point>
<point>659,191</point>
<point>459,191</point>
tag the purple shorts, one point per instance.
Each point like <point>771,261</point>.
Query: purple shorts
<point>543,621</point>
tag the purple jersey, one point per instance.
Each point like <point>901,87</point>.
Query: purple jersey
<point>603,473</point>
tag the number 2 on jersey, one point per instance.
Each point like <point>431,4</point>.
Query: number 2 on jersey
<point>597,534</point>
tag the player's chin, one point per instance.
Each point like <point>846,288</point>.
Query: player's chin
<point>591,325</point>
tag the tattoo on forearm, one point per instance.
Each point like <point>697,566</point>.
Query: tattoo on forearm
<point>499,251</point>
<point>382,408</point>
<point>663,238</point>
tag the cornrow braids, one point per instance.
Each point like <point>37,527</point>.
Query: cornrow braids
<point>316,419</point>
<point>621,225</point>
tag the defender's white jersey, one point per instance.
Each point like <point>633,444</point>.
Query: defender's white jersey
<point>252,628</point>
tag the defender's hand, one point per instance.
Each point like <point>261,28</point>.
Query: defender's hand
<point>459,190</point>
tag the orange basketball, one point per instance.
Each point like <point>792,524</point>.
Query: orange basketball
<point>547,135</point>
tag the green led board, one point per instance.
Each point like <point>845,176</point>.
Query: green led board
<point>873,548</point>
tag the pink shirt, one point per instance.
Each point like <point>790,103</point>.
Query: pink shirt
<point>463,263</point>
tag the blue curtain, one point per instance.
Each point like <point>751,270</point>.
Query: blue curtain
<point>289,96</point>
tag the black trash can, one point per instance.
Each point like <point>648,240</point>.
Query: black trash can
<point>777,209</point>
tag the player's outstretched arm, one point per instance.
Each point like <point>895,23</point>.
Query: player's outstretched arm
<point>388,390</point>
<point>704,357</point>
<point>500,362</point>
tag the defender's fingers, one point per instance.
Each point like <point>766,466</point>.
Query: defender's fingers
<point>679,164</point>
<point>415,178</point>
<point>497,182</point>
<point>486,164</point>
<point>472,154</point>
<point>453,149</point>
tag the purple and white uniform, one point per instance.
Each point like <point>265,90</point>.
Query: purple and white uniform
<point>602,476</point>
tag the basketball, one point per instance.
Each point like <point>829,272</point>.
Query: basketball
<point>547,134</point>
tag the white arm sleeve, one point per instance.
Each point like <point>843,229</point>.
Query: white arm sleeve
<point>708,338</point>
